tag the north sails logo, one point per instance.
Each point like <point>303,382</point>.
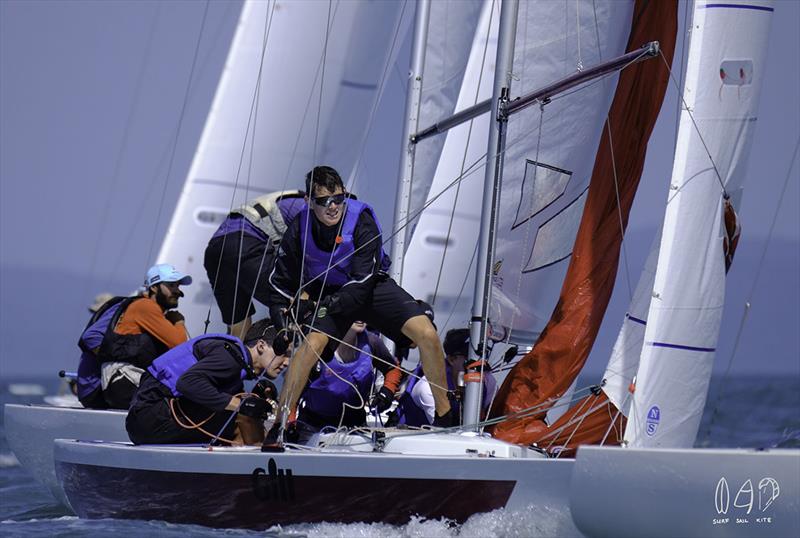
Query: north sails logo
<point>653,418</point>
<point>745,501</point>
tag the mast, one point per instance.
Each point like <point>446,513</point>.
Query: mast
<point>491,197</point>
<point>403,196</point>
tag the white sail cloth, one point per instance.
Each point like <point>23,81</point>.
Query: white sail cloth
<point>723,79</point>
<point>264,135</point>
<point>546,174</point>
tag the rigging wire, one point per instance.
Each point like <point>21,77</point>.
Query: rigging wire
<point>250,121</point>
<point>126,130</point>
<point>162,161</point>
<point>751,292</point>
<point>178,131</point>
<point>378,94</point>
<point>305,235</point>
<point>694,123</point>
<point>463,163</point>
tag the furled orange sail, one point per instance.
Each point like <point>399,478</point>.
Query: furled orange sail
<point>546,372</point>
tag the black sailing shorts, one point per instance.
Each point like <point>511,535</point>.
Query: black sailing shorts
<point>235,279</point>
<point>391,306</point>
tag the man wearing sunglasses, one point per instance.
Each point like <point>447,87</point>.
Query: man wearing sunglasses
<point>335,245</point>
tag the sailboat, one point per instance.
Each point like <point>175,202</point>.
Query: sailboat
<point>393,475</point>
<point>217,181</point>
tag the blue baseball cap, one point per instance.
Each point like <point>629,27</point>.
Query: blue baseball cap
<point>164,272</point>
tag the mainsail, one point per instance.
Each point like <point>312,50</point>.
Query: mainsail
<point>545,373</point>
<point>268,124</point>
<point>723,81</point>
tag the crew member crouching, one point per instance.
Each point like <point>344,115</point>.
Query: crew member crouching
<point>189,394</point>
<point>342,385</point>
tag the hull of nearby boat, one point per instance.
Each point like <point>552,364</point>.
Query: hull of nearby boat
<point>31,430</point>
<point>686,492</point>
<point>243,487</point>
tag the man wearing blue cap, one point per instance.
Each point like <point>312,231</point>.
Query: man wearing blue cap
<point>133,331</point>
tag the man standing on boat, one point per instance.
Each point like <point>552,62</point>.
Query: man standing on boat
<point>126,334</point>
<point>333,252</point>
<point>240,255</point>
<point>189,394</point>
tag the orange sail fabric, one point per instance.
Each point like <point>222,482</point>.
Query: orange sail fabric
<point>549,368</point>
<point>592,420</point>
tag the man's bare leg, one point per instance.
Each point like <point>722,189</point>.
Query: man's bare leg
<point>299,368</point>
<point>420,330</point>
<point>249,431</point>
<point>240,329</point>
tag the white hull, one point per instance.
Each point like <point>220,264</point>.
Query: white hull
<point>31,430</point>
<point>454,480</point>
<point>686,492</point>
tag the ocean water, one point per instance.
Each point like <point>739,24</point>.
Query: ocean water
<point>741,412</point>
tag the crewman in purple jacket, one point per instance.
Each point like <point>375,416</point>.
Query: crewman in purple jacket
<point>188,394</point>
<point>239,255</point>
<point>333,253</point>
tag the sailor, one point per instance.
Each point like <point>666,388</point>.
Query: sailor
<point>341,386</point>
<point>416,405</point>
<point>239,255</point>
<point>125,334</point>
<point>336,242</point>
<point>189,394</point>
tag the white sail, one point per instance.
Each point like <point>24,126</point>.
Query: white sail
<point>546,174</point>
<point>723,78</point>
<point>430,243</point>
<point>624,361</point>
<point>263,136</point>
<point>452,30</point>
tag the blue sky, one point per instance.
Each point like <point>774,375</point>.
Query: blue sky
<point>88,178</point>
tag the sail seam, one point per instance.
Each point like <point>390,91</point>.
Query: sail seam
<point>680,346</point>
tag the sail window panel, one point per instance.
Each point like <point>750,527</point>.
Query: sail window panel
<point>555,237</point>
<point>542,185</point>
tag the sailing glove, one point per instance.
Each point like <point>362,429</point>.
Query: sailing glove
<point>382,400</point>
<point>329,305</point>
<point>255,407</point>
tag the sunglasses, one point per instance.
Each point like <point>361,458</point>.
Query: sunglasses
<point>327,201</point>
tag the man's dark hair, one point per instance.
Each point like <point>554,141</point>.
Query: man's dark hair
<point>323,176</point>
<point>262,329</point>
<point>456,342</point>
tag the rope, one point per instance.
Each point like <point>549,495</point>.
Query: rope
<point>463,164</point>
<point>250,120</point>
<point>195,426</point>
<point>162,161</point>
<point>137,93</point>
<point>178,131</point>
<point>694,123</point>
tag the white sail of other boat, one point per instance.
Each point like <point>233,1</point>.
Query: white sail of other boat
<point>723,81</point>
